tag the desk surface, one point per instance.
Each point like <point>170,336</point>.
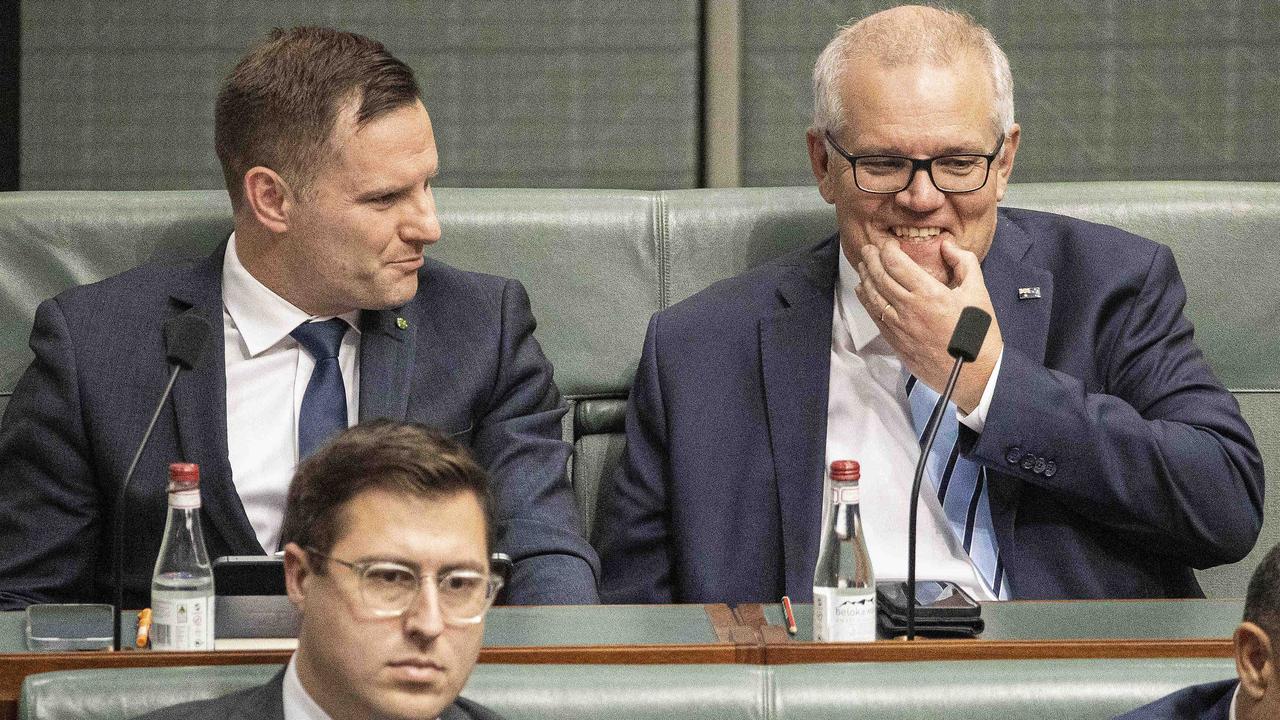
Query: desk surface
<point>1083,620</point>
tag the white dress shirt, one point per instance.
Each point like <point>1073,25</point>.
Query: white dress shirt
<point>869,420</point>
<point>298,703</point>
<point>267,375</point>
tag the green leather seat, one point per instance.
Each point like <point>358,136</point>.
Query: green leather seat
<point>1031,689</point>
<point>518,692</point>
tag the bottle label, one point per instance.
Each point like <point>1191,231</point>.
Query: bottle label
<point>182,623</point>
<point>185,500</point>
<point>843,616</point>
<point>845,494</point>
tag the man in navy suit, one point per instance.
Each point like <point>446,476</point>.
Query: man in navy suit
<point>1255,695</point>
<point>372,519</point>
<point>326,313</point>
<point>1100,457</point>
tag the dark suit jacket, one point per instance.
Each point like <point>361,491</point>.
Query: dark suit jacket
<point>1211,701</point>
<point>467,362</point>
<point>1154,472</point>
<point>266,702</point>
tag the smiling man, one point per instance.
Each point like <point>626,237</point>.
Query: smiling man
<point>387,534</point>
<point>1090,452</point>
<point>325,313</point>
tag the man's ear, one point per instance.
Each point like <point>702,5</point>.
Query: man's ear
<point>1003,169</point>
<point>297,574</point>
<point>268,197</point>
<point>1254,660</point>
<point>818,159</point>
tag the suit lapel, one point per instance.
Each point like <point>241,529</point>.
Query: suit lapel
<point>265,702</point>
<point>795,358</point>
<point>387,340</point>
<point>200,407</point>
<point>1024,325</point>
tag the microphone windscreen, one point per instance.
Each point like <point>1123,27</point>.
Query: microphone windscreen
<point>971,330</point>
<point>185,337</point>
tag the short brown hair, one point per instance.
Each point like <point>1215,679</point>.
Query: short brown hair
<point>278,106</point>
<point>402,457</point>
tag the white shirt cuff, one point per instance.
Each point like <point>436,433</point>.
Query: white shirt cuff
<point>977,420</point>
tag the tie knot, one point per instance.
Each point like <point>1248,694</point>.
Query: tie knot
<point>321,339</point>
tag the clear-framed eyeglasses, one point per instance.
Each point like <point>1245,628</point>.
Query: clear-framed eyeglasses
<point>388,589</point>
<point>888,174</point>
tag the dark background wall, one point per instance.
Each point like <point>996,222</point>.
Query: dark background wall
<point>1104,89</point>
<point>575,93</point>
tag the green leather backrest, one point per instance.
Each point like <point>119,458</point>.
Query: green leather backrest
<point>1031,689</point>
<point>517,692</point>
<point>1023,689</point>
<point>598,263</point>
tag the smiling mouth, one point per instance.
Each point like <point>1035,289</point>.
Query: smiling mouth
<point>905,232</point>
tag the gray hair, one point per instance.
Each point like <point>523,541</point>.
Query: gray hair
<point>899,36</point>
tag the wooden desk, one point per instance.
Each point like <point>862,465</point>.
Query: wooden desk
<point>749,634</point>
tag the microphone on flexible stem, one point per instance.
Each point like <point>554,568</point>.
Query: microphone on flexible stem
<point>966,341</point>
<point>185,336</point>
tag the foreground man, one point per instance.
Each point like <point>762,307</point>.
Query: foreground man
<point>387,559</point>
<point>1255,694</point>
<point>1095,456</point>
<point>325,313</point>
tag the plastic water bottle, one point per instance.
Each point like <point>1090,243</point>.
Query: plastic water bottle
<point>182,584</point>
<point>844,585</point>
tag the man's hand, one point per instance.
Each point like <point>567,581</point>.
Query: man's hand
<point>916,314</point>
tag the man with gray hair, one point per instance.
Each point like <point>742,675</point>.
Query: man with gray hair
<point>1090,451</point>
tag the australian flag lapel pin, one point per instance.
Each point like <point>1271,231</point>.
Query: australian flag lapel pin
<point>1029,293</point>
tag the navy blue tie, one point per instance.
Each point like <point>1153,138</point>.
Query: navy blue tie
<point>324,405</point>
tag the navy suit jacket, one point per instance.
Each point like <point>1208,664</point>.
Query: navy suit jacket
<point>1211,701</point>
<point>1154,472</point>
<point>266,702</point>
<point>466,362</point>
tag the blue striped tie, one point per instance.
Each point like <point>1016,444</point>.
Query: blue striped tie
<point>961,486</point>
<point>324,404</point>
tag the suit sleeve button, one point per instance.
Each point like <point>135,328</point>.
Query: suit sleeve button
<point>1039,466</point>
<point>1050,469</point>
<point>1028,461</point>
<point>1013,455</point>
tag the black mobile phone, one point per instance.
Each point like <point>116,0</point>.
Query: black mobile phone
<point>936,600</point>
<point>249,575</point>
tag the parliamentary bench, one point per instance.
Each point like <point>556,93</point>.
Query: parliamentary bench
<point>1027,689</point>
<point>598,263</point>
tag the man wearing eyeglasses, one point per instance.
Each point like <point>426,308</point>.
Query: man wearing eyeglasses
<point>388,530</point>
<point>1090,453</point>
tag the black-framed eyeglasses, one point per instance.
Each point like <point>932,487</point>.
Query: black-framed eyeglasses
<point>888,174</point>
<point>388,589</point>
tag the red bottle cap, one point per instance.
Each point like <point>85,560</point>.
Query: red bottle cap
<point>845,471</point>
<point>184,476</point>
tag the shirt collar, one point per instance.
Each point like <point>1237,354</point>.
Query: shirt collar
<point>262,317</point>
<point>862,329</point>
<point>298,704</point>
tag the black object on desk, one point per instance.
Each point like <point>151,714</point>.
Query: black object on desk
<point>252,599</point>
<point>942,609</point>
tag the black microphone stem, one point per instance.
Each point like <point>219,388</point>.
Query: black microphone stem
<point>117,532</point>
<point>930,433</point>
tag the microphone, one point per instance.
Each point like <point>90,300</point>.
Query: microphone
<point>966,341</point>
<point>185,337</point>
